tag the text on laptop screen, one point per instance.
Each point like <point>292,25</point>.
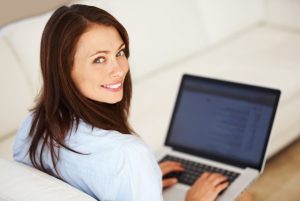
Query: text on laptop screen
<point>225,120</point>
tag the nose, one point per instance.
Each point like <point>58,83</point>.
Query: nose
<point>116,69</point>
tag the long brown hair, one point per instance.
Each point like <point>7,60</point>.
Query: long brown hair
<point>60,106</point>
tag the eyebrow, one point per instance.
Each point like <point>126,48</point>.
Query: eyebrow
<point>106,51</point>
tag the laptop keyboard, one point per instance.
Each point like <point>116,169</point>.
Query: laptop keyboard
<point>192,171</point>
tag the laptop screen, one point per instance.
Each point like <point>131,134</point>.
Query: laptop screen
<point>223,121</point>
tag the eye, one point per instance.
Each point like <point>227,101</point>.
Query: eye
<point>121,53</point>
<point>99,60</point>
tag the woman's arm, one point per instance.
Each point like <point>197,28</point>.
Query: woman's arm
<point>131,174</point>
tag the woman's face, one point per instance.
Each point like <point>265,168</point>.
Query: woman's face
<point>100,64</point>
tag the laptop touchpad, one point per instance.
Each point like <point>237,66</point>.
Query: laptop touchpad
<point>174,194</point>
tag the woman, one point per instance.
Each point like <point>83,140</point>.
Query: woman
<point>78,130</point>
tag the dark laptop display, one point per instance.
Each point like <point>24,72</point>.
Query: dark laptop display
<point>224,121</point>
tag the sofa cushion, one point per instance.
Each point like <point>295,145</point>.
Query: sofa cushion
<point>24,37</point>
<point>16,93</point>
<point>223,19</point>
<point>284,13</point>
<point>23,183</point>
<point>6,144</point>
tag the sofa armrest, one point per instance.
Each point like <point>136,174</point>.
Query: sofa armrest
<point>23,183</point>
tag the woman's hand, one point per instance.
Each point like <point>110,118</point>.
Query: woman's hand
<point>207,187</point>
<point>168,167</point>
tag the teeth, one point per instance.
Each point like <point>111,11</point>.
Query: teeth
<point>114,86</point>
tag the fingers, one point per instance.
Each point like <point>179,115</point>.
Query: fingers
<point>221,187</point>
<point>215,180</point>
<point>207,187</point>
<point>212,182</point>
<point>169,182</point>
<point>170,166</point>
<point>203,177</point>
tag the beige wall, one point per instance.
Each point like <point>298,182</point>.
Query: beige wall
<point>11,10</point>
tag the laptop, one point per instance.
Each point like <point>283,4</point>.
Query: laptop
<point>218,126</point>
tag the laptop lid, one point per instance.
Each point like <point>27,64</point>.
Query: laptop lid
<point>223,121</point>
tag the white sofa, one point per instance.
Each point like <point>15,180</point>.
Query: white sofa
<point>22,183</point>
<point>255,42</point>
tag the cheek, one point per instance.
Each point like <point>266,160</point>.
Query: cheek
<point>125,66</point>
<point>76,77</point>
<point>86,79</point>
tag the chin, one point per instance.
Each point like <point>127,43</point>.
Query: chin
<point>109,99</point>
<point>113,100</point>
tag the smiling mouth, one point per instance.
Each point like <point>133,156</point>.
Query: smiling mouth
<point>113,87</point>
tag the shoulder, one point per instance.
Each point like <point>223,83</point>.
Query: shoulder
<point>24,127</point>
<point>111,152</point>
<point>22,142</point>
<point>96,140</point>
<point>108,147</point>
<point>101,146</point>
<point>26,124</point>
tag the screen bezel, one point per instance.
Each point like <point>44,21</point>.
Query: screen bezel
<point>210,156</point>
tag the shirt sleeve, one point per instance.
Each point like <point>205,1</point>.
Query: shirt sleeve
<point>134,175</point>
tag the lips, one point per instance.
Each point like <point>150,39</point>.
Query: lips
<point>113,87</point>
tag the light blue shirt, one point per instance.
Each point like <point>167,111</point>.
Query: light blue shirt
<point>118,168</point>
